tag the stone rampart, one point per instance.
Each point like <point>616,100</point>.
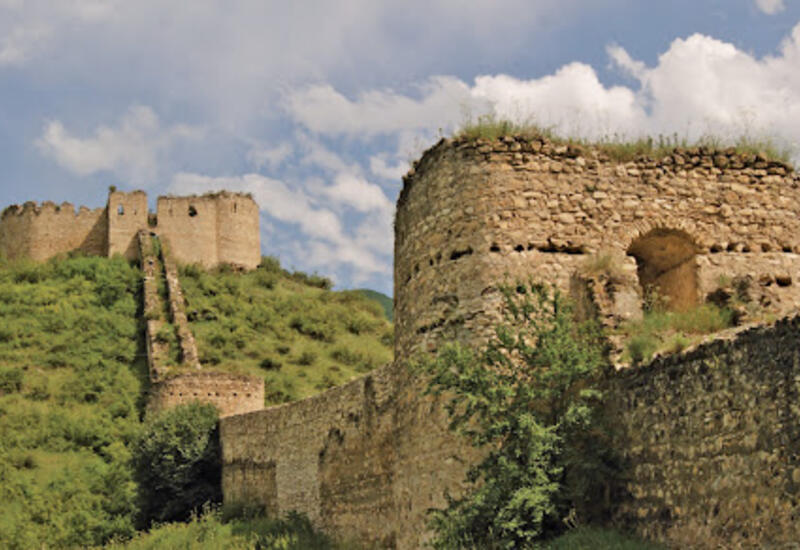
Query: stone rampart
<point>365,460</point>
<point>710,439</point>
<point>41,231</point>
<point>127,215</point>
<point>709,436</point>
<point>232,394</point>
<point>475,213</point>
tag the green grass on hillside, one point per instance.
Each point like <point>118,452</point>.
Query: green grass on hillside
<point>70,388</point>
<point>300,336</point>
<point>385,301</point>
<point>623,148</point>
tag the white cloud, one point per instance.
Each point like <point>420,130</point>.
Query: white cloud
<point>356,192</point>
<point>324,110</point>
<point>261,156</point>
<point>379,167</point>
<point>770,7</point>
<point>21,43</point>
<point>131,150</point>
<point>700,85</point>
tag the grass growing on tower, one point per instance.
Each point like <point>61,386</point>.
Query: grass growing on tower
<point>623,148</point>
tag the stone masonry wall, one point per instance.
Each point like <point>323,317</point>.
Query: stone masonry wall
<point>711,438</point>
<point>365,460</point>
<point>475,213</point>
<point>211,229</point>
<point>42,231</point>
<point>232,394</point>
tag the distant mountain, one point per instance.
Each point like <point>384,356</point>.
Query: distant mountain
<point>385,301</point>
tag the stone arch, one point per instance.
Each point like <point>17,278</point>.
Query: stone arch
<point>666,264</point>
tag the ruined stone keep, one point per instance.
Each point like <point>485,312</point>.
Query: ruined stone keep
<point>709,436</point>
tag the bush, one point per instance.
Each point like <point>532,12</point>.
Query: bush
<point>178,463</point>
<point>535,415</point>
<point>10,379</point>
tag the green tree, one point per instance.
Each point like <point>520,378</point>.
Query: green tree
<point>529,399</point>
<point>178,463</point>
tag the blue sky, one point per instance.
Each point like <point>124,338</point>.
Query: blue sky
<point>317,108</point>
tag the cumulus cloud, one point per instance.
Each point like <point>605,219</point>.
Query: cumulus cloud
<point>770,7</point>
<point>700,85</point>
<point>322,109</point>
<point>21,43</point>
<point>131,150</point>
<point>356,192</point>
<point>382,169</point>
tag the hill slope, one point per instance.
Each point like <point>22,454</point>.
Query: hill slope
<point>286,327</point>
<point>71,377</point>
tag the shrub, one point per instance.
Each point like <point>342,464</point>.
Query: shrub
<point>10,379</point>
<point>535,416</point>
<point>178,463</point>
<point>307,358</point>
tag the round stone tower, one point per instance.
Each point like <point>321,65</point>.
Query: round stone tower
<point>474,214</point>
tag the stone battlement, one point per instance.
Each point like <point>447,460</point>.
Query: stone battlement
<point>209,229</point>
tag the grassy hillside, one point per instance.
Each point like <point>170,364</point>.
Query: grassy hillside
<point>70,387</point>
<point>287,327</point>
<point>385,301</point>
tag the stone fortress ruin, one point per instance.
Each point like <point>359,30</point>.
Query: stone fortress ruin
<point>710,436</point>
<point>213,229</point>
<point>210,230</point>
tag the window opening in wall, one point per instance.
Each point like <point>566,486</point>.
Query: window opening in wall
<point>120,210</point>
<point>667,268</point>
<point>192,211</point>
<point>234,208</point>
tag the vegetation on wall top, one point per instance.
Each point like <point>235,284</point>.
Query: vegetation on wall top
<point>622,148</point>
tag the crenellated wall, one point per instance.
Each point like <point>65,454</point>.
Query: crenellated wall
<point>214,229</point>
<point>42,231</point>
<point>127,215</point>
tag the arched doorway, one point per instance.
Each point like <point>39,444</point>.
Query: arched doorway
<point>665,261</point>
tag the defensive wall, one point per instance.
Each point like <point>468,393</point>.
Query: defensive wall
<point>176,376</point>
<point>368,459</point>
<point>711,442</point>
<point>212,229</point>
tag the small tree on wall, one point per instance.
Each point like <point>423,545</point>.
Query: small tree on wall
<point>529,399</point>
